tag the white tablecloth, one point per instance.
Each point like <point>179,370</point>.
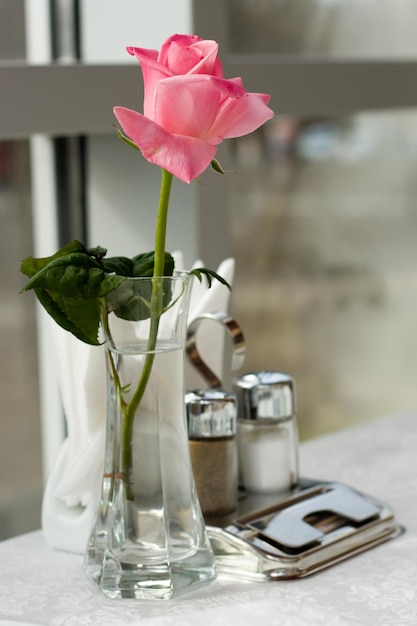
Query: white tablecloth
<point>42,586</point>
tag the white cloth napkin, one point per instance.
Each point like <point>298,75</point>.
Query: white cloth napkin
<point>272,612</point>
<point>72,490</point>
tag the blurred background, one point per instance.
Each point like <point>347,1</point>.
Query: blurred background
<point>320,211</point>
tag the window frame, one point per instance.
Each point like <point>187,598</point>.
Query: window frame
<point>48,99</point>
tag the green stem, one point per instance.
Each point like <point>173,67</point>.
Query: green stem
<point>161,223</point>
<point>129,410</point>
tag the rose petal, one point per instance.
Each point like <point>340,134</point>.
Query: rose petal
<point>181,40</point>
<point>185,157</point>
<point>184,54</point>
<point>186,105</point>
<point>209,63</point>
<point>152,72</point>
<point>240,116</point>
<point>143,52</point>
<point>182,60</point>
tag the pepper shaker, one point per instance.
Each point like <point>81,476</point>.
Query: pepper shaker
<point>211,417</point>
<point>267,435</point>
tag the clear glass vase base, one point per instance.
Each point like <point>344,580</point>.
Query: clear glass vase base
<point>157,581</point>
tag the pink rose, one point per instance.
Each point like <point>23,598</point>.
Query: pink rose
<point>179,55</point>
<point>189,108</point>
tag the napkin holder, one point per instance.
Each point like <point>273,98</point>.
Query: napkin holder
<point>315,525</point>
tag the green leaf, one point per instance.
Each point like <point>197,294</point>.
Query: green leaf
<point>74,275</point>
<point>30,266</point>
<point>70,284</point>
<point>215,165</point>
<point>169,264</point>
<point>131,301</point>
<point>143,264</point>
<point>79,317</point>
<point>126,139</point>
<point>119,265</point>
<point>199,272</point>
<point>97,253</point>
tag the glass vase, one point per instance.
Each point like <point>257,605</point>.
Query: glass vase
<point>149,539</point>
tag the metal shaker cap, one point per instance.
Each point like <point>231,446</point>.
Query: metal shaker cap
<point>210,413</point>
<point>265,396</point>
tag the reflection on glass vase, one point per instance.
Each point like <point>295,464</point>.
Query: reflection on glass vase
<point>149,540</point>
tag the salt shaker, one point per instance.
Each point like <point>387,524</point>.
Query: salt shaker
<point>267,435</point>
<point>212,419</point>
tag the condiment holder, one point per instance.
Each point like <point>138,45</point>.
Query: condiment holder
<point>237,340</point>
<point>267,432</point>
<point>277,526</point>
<point>211,417</point>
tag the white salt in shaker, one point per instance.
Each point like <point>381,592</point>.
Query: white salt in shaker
<point>267,435</point>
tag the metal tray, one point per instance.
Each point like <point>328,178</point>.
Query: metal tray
<point>310,528</point>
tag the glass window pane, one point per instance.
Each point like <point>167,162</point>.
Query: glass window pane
<point>20,443</point>
<point>334,28</point>
<point>146,29</point>
<point>324,231</point>
<point>12,30</point>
